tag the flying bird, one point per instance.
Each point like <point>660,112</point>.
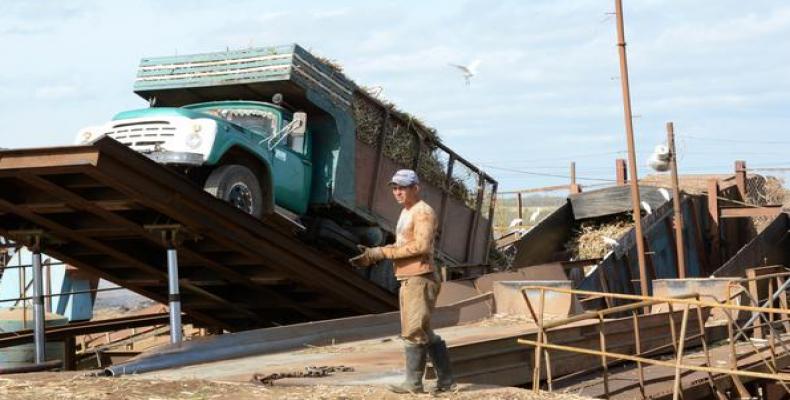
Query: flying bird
<point>468,71</point>
<point>647,207</point>
<point>664,193</point>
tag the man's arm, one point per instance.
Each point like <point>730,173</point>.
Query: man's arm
<point>424,222</point>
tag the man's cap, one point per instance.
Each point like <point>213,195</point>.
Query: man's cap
<point>405,177</point>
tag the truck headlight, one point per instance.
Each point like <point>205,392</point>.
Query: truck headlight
<point>86,136</point>
<point>194,140</point>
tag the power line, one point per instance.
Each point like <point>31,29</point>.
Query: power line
<point>552,175</point>
<point>565,157</point>
<point>714,139</point>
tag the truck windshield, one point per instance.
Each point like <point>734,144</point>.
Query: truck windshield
<point>260,122</point>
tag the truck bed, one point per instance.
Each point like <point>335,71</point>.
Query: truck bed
<point>103,208</point>
<point>371,138</point>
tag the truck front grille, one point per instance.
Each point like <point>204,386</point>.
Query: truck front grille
<point>143,136</point>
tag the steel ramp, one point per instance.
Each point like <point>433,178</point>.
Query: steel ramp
<point>99,207</point>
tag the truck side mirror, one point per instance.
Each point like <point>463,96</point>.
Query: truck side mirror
<point>299,123</point>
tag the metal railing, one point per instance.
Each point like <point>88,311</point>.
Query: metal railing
<point>680,341</point>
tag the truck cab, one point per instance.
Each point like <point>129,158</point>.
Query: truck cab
<point>255,155</point>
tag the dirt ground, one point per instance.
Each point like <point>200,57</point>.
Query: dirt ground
<point>63,386</point>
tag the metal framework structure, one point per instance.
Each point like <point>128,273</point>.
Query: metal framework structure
<point>114,213</point>
<point>773,356</point>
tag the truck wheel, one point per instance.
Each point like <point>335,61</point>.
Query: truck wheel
<point>237,185</point>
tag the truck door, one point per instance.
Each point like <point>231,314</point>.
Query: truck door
<point>293,172</point>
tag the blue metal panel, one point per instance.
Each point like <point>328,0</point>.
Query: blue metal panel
<point>660,241</point>
<point>693,267</point>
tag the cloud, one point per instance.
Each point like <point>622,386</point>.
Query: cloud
<point>20,29</point>
<point>325,14</point>
<point>749,27</point>
<point>56,92</point>
<point>581,138</point>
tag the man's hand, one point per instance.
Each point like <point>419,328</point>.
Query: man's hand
<point>368,256</point>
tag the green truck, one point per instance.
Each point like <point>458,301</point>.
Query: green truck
<point>279,131</point>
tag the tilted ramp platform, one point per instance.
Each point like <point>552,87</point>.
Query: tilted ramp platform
<point>98,207</point>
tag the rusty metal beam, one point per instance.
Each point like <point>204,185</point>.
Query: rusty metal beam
<point>282,252</point>
<point>92,187</point>
<point>84,328</point>
<point>747,212</point>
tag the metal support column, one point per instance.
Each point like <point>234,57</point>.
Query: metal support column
<point>38,308</point>
<point>174,296</point>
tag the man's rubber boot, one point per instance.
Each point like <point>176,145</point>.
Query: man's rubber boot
<point>440,357</point>
<point>415,369</point>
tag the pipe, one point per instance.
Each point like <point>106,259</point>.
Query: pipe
<point>270,340</point>
<point>38,310</point>
<point>45,366</point>
<point>174,296</point>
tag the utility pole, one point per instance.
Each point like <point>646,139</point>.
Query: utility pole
<point>681,251</point>
<point>629,134</point>
<point>574,188</point>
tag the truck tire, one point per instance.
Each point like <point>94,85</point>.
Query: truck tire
<point>237,185</point>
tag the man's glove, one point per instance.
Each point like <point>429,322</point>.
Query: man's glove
<point>368,256</point>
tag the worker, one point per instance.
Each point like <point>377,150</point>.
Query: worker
<point>412,255</point>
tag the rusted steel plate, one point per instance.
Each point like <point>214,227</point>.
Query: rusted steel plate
<point>502,361</point>
<point>718,289</point>
<point>509,299</point>
<point>770,247</point>
<point>746,212</point>
<point>659,381</point>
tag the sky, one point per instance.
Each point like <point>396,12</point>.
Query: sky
<point>547,91</point>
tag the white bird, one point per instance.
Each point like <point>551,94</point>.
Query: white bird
<point>664,193</point>
<point>468,71</point>
<point>516,222</point>
<point>647,207</point>
<point>609,241</point>
<point>534,216</point>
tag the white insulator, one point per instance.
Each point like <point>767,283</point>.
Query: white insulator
<point>658,165</point>
<point>661,152</point>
